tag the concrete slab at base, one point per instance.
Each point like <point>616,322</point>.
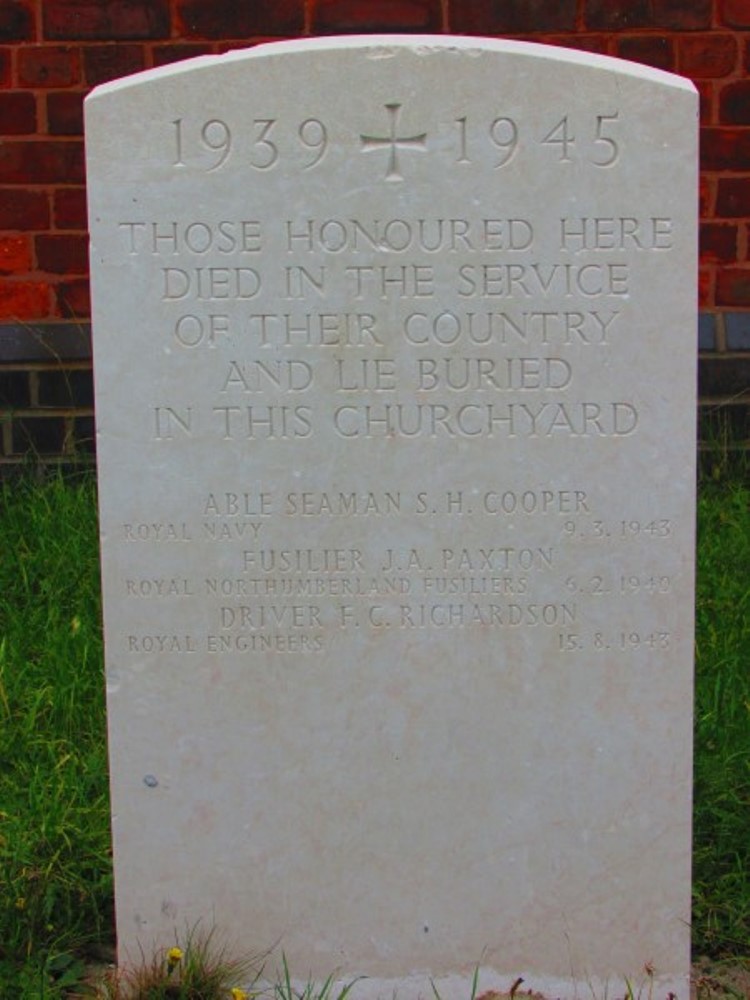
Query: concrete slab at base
<point>483,980</point>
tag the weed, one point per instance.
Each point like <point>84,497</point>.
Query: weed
<point>284,989</point>
<point>474,986</point>
<point>196,969</point>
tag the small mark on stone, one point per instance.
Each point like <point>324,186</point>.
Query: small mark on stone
<point>150,780</point>
<point>381,53</point>
<point>426,929</point>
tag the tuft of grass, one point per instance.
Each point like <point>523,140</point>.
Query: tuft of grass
<point>283,989</point>
<point>196,969</point>
<point>475,987</point>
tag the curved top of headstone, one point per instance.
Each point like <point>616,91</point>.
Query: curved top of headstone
<point>387,46</point>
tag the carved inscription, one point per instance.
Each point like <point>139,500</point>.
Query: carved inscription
<point>468,329</point>
<point>297,598</point>
<point>268,143</point>
<point>413,366</point>
<point>393,143</point>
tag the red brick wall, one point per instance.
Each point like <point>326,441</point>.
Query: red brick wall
<point>53,51</point>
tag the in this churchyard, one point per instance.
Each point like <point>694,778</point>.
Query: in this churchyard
<point>395,360</point>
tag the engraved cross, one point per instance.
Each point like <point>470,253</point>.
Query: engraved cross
<point>394,142</point>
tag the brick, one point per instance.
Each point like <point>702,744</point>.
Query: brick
<point>23,209</point>
<point>705,197</point>
<point>106,19</point>
<point>83,440</point>
<point>5,67</point>
<point>682,15</point>
<point>513,16</point>
<point>706,332</point>
<point>66,388</point>
<point>614,15</point>
<point>719,424</point>
<point>14,389</point>
<point>738,333</point>
<point>725,148</point>
<point>53,161</point>
<point>724,377</point>
<point>62,254</point>
<point>15,254</point>
<point>163,55</point>
<point>733,198</point>
<point>378,15</point>
<point>17,113</point>
<point>48,66</point>
<point>705,286</point>
<point>65,113</point>
<point>734,103</point>
<point>221,47</point>
<point>23,299</point>
<point>735,13</point>
<point>223,19</point>
<point>38,435</point>
<point>718,243</point>
<point>705,101</point>
<point>69,208</point>
<point>702,56</point>
<point>108,62</point>
<point>72,298</point>
<point>652,50</point>
<point>582,42</point>
<point>733,286</point>
<point>45,341</point>
<point>16,21</point>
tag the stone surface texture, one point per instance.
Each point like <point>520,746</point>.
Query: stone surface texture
<point>394,345</point>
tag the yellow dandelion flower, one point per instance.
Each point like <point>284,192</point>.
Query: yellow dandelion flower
<point>174,955</point>
<point>238,994</point>
<point>20,903</point>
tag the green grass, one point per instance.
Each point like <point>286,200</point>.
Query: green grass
<point>55,871</point>
<point>721,875</point>
<point>54,825</point>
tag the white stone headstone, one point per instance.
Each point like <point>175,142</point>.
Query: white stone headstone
<point>394,351</point>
